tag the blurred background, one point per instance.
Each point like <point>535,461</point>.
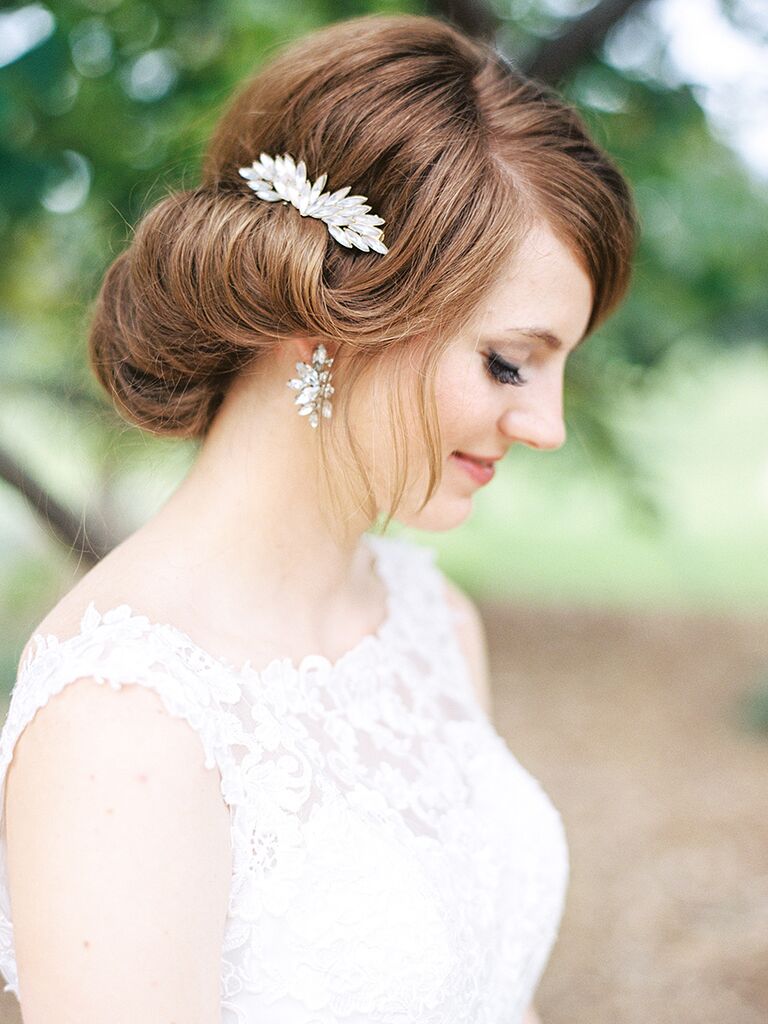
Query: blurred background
<point>623,580</point>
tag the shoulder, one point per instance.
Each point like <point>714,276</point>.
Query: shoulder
<point>121,582</point>
<point>62,621</point>
<point>468,622</point>
<point>472,638</point>
<point>119,729</point>
<point>92,676</point>
<point>116,827</point>
<point>100,586</point>
<point>98,687</point>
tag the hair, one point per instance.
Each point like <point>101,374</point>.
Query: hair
<point>457,150</point>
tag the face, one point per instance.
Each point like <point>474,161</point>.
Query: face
<point>501,381</point>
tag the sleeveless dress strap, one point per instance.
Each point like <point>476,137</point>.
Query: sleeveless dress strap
<point>413,576</point>
<point>426,623</point>
<point>116,649</point>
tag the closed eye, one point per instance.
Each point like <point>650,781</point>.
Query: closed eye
<point>502,371</point>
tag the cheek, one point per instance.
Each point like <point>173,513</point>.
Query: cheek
<point>462,396</point>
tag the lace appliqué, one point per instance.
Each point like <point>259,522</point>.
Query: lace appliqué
<point>392,861</point>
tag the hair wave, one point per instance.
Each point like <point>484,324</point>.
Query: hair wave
<point>457,150</point>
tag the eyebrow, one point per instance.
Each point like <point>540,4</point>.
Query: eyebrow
<point>542,334</point>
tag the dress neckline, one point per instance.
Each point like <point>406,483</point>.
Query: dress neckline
<point>369,643</point>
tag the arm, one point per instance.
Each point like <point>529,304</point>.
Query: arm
<point>118,862</point>
<point>474,642</point>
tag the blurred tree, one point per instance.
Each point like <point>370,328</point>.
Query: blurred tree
<point>105,105</point>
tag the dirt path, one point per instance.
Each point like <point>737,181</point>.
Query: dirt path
<point>631,724</point>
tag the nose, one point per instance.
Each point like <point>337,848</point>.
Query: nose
<point>536,417</point>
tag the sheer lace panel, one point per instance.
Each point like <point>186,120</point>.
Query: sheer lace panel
<point>392,860</point>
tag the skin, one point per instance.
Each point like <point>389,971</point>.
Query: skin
<point>241,539</point>
<point>545,287</point>
<point>240,559</point>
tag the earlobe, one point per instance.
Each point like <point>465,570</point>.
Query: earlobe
<point>304,346</point>
<point>300,348</point>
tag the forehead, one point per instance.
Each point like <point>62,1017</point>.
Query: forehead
<point>543,288</point>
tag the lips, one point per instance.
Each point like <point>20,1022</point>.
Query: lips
<point>479,459</point>
<point>480,471</point>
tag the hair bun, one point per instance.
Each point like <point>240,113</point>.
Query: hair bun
<point>164,341</point>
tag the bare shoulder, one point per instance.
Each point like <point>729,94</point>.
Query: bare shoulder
<point>119,578</point>
<point>64,618</point>
<point>117,828</point>
<point>90,712</point>
<point>473,639</point>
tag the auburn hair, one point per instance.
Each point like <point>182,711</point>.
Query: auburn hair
<point>456,149</point>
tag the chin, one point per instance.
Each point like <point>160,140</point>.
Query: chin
<point>442,512</point>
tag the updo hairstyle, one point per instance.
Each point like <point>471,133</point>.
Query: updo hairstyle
<point>458,152</point>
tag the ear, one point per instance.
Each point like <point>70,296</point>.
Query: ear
<point>302,347</point>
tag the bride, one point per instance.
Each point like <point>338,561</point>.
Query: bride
<point>300,811</point>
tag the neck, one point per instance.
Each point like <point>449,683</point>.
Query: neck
<point>246,520</point>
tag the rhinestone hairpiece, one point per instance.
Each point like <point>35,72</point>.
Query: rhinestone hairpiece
<point>347,219</point>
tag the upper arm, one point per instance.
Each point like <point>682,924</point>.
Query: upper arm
<point>473,640</point>
<point>118,864</point>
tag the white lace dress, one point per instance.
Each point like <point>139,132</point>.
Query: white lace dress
<point>393,863</point>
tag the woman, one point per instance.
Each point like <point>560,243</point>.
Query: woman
<point>300,811</point>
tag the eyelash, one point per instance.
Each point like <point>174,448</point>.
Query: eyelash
<point>502,371</point>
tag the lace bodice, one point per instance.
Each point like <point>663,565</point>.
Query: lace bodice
<point>392,862</point>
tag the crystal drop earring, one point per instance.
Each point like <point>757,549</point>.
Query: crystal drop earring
<point>314,386</point>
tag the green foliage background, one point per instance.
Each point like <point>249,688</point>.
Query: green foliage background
<point>661,494</point>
